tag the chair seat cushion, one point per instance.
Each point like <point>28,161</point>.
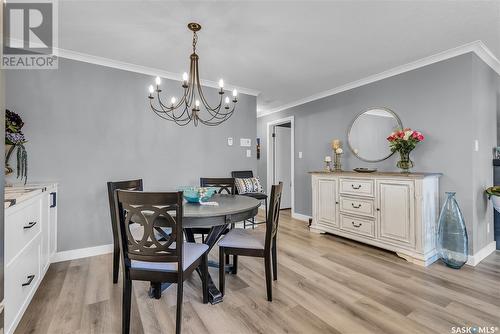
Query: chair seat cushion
<point>256,195</point>
<point>190,253</point>
<point>242,238</point>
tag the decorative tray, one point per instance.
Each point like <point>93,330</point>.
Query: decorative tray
<point>365,170</point>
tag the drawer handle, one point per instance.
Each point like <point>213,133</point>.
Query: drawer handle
<point>356,187</point>
<point>30,225</point>
<point>354,224</point>
<point>30,279</point>
<point>356,206</point>
<point>53,202</point>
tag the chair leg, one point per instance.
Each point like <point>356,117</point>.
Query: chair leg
<point>275,260</point>
<point>178,315</point>
<point>157,289</point>
<point>222,270</point>
<point>267,263</point>
<point>235,264</point>
<point>227,259</point>
<point>253,223</point>
<point>126,305</point>
<point>204,279</point>
<point>116,264</point>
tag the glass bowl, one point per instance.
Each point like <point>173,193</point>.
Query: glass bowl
<point>198,194</point>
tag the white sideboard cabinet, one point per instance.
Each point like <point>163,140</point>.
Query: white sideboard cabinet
<point>394,211</point>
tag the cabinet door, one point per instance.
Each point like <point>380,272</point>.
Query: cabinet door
<point>396,212</point>
<point>326,207</point>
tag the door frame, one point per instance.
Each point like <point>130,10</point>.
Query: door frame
<point>270,161</point>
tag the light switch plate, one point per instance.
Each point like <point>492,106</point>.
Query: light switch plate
<point>300,155</point>
<point>245,142</point>
<point>476,145</point>
<point>229,141</point>
<point>249,153</point>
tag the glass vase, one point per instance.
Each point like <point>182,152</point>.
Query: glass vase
<point>452,235</point>
<point>404,162</point>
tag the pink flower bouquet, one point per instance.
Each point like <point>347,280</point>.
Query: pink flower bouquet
<point>404,141</point>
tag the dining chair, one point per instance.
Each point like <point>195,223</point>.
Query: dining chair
<point>255,243</point>
<point>225,186</point>
<point>245,174</point>
<point>112,186</point>
<point>147,258</point>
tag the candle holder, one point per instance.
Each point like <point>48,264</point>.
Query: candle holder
<point>328,166</point>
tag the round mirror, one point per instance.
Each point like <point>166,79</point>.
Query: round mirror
<point>367,136</point>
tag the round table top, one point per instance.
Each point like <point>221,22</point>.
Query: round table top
<point>228,205</point>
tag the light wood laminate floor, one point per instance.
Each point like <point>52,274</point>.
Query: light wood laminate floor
<point>325,284</point>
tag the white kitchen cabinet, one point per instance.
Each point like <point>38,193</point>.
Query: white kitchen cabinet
<point>394,211</point>
<point>30,243</point>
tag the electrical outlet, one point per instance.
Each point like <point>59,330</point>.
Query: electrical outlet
<point>488,228</point>
<point>300,155</point>
<point>249,153</point>
<point>229,141</point>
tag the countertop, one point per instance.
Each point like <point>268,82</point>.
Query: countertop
<point>19,193</point>
<point>378,173</point>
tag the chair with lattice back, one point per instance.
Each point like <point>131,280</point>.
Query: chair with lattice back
<point>149,256</point>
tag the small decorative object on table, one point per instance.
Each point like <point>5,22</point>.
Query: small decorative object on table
<point>337,154</point>
<point>337,164</point>
<point>365,170</point>
<point>198,194</point>
<point>404,141</point>
<point>328,161</point>
<point>452,235</point>
<point>14,138</point>
<point>494,194</point>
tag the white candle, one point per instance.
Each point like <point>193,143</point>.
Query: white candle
<point>328,158</point>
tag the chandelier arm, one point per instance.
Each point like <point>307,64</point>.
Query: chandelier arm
<point>164,107</point>
<point>184,112</point>
<point>202,96</point>
<point>161,114</point>
<point>220,120</point>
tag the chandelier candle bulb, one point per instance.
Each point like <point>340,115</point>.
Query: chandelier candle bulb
<point>173,100</point>
<point>235,93</point>
<point>158,81</point>
<point>185,77</point>
<point>151,89</point>
<point>221,83</point>
<point>197,104</point>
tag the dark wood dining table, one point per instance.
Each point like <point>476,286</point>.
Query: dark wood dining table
<point>229,209</point>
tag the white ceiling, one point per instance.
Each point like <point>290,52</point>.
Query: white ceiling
<point>287,50</point>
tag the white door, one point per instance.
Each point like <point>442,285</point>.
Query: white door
<point>283,164</point>
<point>396,207</point>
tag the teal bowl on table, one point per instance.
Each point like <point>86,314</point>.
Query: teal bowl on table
<point>198,194</point>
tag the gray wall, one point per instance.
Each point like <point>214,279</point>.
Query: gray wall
<point>88,124</point>
<point>446,101</point>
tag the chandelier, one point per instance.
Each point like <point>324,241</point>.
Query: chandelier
<point>187,108</point>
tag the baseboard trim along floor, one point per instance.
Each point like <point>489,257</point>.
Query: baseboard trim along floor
<point>483,253</point>
<point>80,253</point>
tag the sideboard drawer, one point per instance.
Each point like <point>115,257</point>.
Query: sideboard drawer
<point>358,206</point>
<point>21,278</point>
<point>358,225</point>
<point>20,228</point>
<point>360,187</point>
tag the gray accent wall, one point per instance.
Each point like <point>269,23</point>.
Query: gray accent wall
<point>88,124</point>
<point>452,102</point>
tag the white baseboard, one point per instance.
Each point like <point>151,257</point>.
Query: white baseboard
<point>300,216</point>
<point>483,253</point>
<point>81,253</point>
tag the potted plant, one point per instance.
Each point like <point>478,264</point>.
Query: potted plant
<point>494,194</point>
<point>404,141</point>
<point>14,140</point>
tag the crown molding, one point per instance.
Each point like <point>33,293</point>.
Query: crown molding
<point>96,60</point>
<point>477,47</point>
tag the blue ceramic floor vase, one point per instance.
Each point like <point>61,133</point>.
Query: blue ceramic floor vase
<point>452,235</point>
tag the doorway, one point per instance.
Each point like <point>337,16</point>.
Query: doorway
<point>280,167</point>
